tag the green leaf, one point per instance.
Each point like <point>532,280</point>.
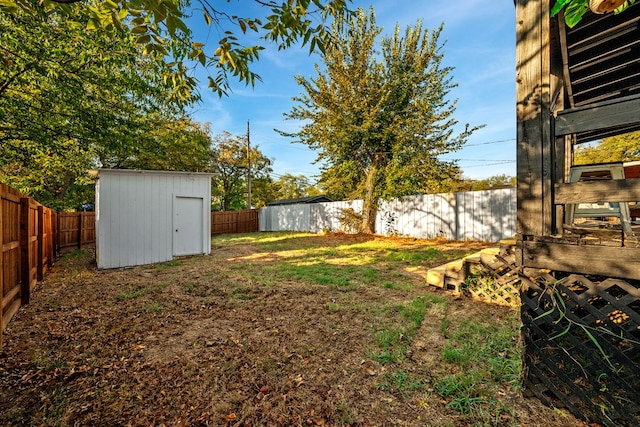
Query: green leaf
<point>9,5</point>
<point>110,4</point>
<point>141,29</point>
<point>545,314</point>
<point>564,332</point>
<point>93,24</point>
<point>574,11</point>
<point>144,39</point>
<point>624,6</point>
<point>558,6</point>
<point>597,344</point>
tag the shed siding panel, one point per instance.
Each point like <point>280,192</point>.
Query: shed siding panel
<point>135,215</point>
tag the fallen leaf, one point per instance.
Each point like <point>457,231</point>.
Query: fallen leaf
<point>231,417</point>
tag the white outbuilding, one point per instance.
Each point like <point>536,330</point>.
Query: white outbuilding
<point>144,217</point>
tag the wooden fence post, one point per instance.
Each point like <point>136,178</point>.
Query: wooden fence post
<point>53,223</point>
<point>40,236</point>
<point>2,278</point>
<point>25,251</point>
<point>50,227</point>
<point>59,228</point>
<point>80,230</point>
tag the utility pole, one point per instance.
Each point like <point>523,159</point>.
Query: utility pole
<point>248,169</point>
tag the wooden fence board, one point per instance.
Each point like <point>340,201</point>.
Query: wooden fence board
<point>10,256</point>
<point>76,229</point>
<point>231,222</point>
<point>26,249</point>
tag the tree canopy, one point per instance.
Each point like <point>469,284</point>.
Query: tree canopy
<point>619,148</point>
<point>72,100</point>
<point>380,120</point>
<point>85,84</point>
<point>229,164</point>
<point>160,27</point>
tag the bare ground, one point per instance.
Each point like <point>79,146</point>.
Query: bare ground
<point>201,342</point>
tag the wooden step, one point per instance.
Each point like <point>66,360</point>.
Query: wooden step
<point>451,275</point>
<point>438,276</point>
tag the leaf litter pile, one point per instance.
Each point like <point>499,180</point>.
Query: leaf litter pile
<point>271,329</point>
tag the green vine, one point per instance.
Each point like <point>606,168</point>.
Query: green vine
<point>558,304</point>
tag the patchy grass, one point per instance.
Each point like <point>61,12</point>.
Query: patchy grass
<point>270,329</point>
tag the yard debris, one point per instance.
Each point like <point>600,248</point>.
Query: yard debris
<point>268,350</point>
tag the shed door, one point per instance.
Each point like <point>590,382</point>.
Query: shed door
<point>188,225</point>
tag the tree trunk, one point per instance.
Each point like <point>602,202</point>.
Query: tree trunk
<point>370,203</point>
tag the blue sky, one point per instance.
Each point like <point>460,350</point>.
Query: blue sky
<point>480,45</point>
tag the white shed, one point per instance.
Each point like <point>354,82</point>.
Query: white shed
<point>144,217</point>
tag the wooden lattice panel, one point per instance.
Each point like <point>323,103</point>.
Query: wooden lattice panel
<point>497,281</point>
<point>582,346</point>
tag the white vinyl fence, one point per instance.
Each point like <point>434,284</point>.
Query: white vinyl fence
<point>478,215</point>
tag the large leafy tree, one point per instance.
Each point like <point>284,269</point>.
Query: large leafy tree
<point>619,148</point>
<point>160,27</point>
<point>67,97</point>
<point>295,186</point>
<point>82,82</point>
<point>167,143</point>
<point>380,120</point>
<point>264,190</point>
<point>229,165</point>
<point>287,186</point>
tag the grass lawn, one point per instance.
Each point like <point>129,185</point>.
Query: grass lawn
<point>271,329</point>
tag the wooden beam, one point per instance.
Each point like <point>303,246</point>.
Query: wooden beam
<point>618,262</point>
<point>564,51</point>
<point>609,114</point>
<point>615,190</point>
<point>533,98</point>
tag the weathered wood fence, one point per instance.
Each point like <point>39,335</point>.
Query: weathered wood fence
<point>231,222</point>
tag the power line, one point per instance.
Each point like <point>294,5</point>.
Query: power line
<point>483,160</point>
<point>490,142</point>
<point>489,164</point>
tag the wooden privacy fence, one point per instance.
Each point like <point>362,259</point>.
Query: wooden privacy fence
<point>230,222</point>
<point>27,232</point>
<point>76,229</point>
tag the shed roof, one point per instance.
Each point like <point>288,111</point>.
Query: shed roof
<point>150,172</point>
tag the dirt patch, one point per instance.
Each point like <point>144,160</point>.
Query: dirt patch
<point>244,338</point>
